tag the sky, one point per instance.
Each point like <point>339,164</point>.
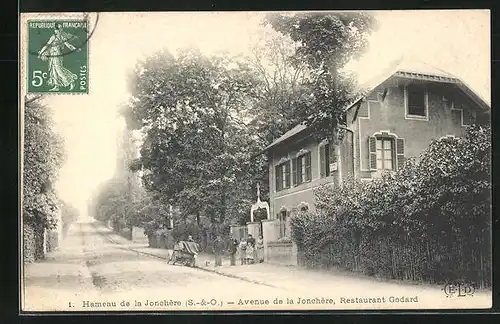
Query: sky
<point>455,41</point>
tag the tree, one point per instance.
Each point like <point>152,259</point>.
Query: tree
<point>282,87</point>
<point>197,150</point>
<point>43,155</point>
<point>326,43</point>
<point>69,214</point>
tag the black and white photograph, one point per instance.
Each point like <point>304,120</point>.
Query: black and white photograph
<point>255,161</point>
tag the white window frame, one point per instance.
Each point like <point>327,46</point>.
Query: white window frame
<point>426,102</point>
<point>461,114</point>
<point>301,154</point>
<point>392,140</point>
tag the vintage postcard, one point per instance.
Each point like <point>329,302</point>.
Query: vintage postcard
<point>223,161</point>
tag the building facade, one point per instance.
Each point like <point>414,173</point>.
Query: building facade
<point>401,113</point>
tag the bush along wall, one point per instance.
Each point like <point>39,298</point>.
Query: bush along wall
<point>52,240</point>
<point>429,222</point>
<point>28,243</point>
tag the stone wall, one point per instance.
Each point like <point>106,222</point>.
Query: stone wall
<point>161,239</point>
<point>282,253</point>
<point>138,235</point>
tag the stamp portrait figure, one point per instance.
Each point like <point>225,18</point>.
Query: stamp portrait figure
<point>53,52</point>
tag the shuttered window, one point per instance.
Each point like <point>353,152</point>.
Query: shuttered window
<point>469,117</point>
<point>283,176</point>
<point>294,172</point>
<point>322,161</point>
<point>279,179</point>
<point>304,168</point>
<point>372,147</point>
<point>386,153</point>
<point>326,158</point>
<point>456,117</point>
<point>308,167</point>
<point>286,175</point>
<point>400,152</point>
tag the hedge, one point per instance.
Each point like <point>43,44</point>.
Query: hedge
<point>430,221</point>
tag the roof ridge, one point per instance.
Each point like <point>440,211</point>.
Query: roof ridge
<point>409,59</point>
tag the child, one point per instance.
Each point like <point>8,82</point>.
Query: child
<point>243,254</point>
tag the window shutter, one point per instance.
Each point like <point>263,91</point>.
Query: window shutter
<point>299,170</point>
<point>322,161</point>
<point>456,117</point>
<point>294,171</point>
<point>372,147</point>
<point>287,174</point>
<point>400,152</point>
<point>308,166</point>
<point>468,118</point>
<point>279,181</point>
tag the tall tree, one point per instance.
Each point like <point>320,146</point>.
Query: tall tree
<point>326,43</point>
<point>197,150</point>
<point>282,87</point>
<point>43,155</point>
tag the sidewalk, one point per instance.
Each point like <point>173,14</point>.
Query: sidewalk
<point>311,283</point>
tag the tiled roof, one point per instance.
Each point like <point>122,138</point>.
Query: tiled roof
<point>297,129</point>
<point>404,67</point>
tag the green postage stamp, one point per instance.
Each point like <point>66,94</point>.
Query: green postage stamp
<point>58,56</point>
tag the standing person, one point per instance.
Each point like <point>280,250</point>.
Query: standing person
<point>251,240</point>
<point>251,256</point>
<point>243,253</point>
<point>250,250</point>
<point>233,249</point>
<point>259,247</point>
<point>218,249</point>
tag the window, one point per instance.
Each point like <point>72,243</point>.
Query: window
<point>326,160</point>
<point>385,154</point>
<point>302,168</point>
<point>283,176</point>
<point>469,117</point>
<point>416,101</point>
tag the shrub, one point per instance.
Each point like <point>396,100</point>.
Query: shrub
<point>429,221</point>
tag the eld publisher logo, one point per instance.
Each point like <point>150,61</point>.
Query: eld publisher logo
<point>458,289</point>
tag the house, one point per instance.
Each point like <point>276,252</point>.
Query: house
<point>402,111</point>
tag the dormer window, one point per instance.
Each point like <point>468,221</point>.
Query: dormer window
<point>416,101</point>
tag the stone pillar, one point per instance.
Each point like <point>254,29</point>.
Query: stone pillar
<point>295,256</point>
<point>44,244</point>
<point>269,234</point>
